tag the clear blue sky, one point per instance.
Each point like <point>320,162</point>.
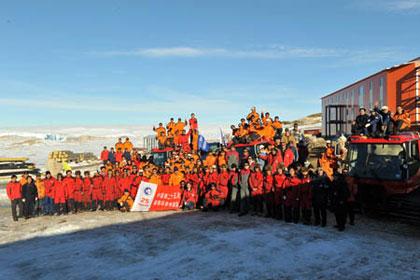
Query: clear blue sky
<point>140,62</point>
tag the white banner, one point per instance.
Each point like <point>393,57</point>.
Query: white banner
<point>144,198</point>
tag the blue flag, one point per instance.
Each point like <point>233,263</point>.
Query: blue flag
<point>202,144</point>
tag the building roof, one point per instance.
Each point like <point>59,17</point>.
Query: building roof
<point>417,60</point>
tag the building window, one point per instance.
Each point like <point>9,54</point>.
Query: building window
<point>371,94</point>
<point>381,92</point>
<point>361,96</point>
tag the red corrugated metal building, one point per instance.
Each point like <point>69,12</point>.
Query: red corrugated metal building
<point>397,85</point>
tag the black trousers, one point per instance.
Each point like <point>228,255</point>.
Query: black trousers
<point>296,215</point>
<point>60,208</point>
<point>28,208</point>
<point>257,204</point>
<point>320,212</point>
<point>288,218</point>
<point>278,212</point>
<point>350,211</point>
<point>341,215</point>
<point>306,215</point>
<point>17,203</point>
<point>70,205</point>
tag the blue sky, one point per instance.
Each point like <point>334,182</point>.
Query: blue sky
<point>141,62</point>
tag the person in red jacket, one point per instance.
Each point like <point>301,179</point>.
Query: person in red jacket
<point>213,198</point>
<point>49,193</point>
<point>78,192</point>
<point>189,198</point>
<point>279,180</point>
<point>305,196</point>
<point>223,182</point>
<point>105,155</point>
<point>268,197</point>
<point>165,177</point>
<point>97,196</point>
<point>193,123</point>
<point>60,195</point>
<point>14,192</point>
<point>287,155</point>
<point>68,182</point>
<point>87,191</point>
<point>291,197</point>
<point>256,184</point>
<point>109,186</point>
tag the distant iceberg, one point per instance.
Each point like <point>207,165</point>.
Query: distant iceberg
<point>54,138</point>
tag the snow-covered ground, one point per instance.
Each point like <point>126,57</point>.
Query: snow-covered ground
<point>175,245</point>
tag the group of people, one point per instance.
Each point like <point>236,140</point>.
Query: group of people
<point>174,134</point>
<point>275,182</point>
<point>380,122</point>
<point>68,194</point>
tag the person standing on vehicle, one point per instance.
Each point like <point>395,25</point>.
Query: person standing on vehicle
<point>30,196</point>
<point>14,192</point>
<point>340,196</point>
<point>320,191</point>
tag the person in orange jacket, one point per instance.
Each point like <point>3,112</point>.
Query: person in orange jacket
<point>60,195</point>
<point>176,178</point>
<point>14,192</point>
<point>128,145</point>
<point>159,130</point>
<point>401,120</point>
<point>210,160</point>
<point>40,203</point>
<point>119,145</point>
<point>70,186</point>
<point>278,126</point>
<point>253,115</point>
<point>256,184</point>
<point>180,126</point>
<point>171,128</point>
<point>155,178</point>
<point>194,139</point>
<point>125,202</point>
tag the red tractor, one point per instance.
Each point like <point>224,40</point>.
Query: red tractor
<point>387,172</point>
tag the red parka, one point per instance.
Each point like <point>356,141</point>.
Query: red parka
<point>60,192</point>
<point>70,186</point>
<point>256,182</point>
<point>14,190</point>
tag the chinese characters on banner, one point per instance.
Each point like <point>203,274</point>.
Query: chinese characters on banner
<point>151,197</point>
